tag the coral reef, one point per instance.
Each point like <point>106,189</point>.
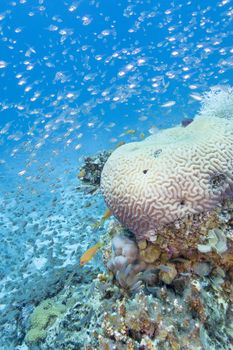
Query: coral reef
<point>174,174</point>
<point>153,298</point>
<point>170,320</point>
<point>181,315</point>
<point>173,300</point>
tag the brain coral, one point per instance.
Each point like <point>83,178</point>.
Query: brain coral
<point>174,173</point>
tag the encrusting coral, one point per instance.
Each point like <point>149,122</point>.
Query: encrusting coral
<point>175,173</point>
<point>43,316</point>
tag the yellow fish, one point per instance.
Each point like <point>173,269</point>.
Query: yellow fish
<point>130,132</point>
<point>88,255</point>
<point>142,135</point>
<point>106,215</point>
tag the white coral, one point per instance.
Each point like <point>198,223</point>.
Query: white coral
<point>174,173</point>
<point>216,241</point>
<point>218,102</point>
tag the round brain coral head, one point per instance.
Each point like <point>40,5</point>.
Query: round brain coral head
<point>191,173</point>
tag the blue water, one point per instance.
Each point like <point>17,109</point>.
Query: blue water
<point>74,77</point>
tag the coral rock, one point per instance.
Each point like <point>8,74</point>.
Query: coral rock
<point>168,277</point>
<point>150,254</point>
